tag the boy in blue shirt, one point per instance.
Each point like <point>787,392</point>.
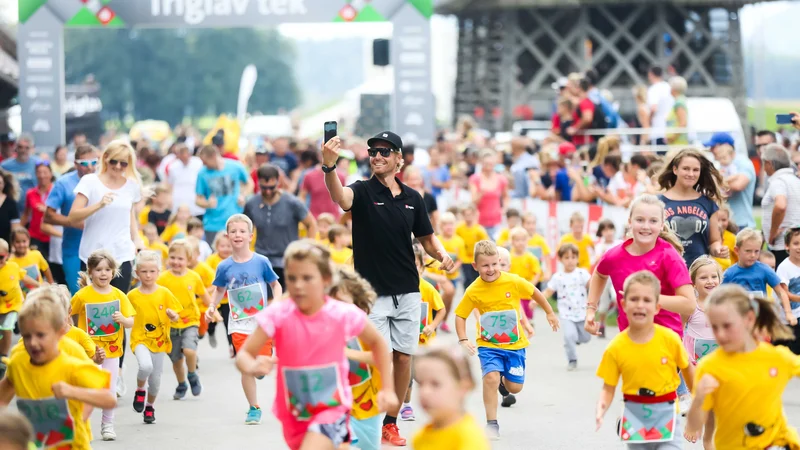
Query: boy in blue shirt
<point>752,274</point>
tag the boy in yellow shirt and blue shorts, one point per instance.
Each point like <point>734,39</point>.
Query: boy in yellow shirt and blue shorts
<point>501,344</point>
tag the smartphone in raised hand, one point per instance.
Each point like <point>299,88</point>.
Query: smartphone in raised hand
<point>783,119</point>
<point>330,131</point>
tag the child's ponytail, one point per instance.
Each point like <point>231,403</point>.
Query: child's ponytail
<point>84,279</point>
<point>668,235</point>
<point>768,321</point>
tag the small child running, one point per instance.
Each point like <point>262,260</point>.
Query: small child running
<point>11,274</point>
<point>571,286</point>
<point>311,332</point>
<point>150,339</point>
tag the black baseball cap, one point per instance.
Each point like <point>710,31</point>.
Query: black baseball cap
<point>8,137</point>
<point>387,136</point>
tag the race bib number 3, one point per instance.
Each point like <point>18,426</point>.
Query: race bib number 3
<point>648,422</point>
<point>99,320</point>
<point>52,423</point>
<point>246,301</point>
<point>423,316</point>
<point>703,347</point>
<point>311,390</point>
<point>500,327</point>
<point>360,372</point>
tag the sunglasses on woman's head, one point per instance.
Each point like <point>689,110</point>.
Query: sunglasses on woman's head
<point>87,162</point>
<point>385,152</point>
<point>43,163</point>
<point>114,162</point>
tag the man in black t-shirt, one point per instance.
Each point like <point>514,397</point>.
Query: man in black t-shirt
<point>385,215</point>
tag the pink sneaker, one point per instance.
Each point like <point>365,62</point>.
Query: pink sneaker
<point>445,328</point>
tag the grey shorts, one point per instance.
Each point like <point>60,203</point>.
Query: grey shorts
<point>8,320</point>
<point>397,318</point>
<point>182,338</point>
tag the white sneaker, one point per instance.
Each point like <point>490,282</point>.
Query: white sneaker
<point>212,340</point>
<point>684,403</point>
<point>107,431</point>
<point>121,389</point>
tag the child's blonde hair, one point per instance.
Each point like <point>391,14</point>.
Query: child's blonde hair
<point>193,224</point>
<point>447,217</point>
<point>181,245</point>
<point>354,284</point>
<point>666,233</point>
<point>485,248</point>
<point>518,232</point>
<point>326,218</point>
<point>174,216</point>
<point>703,261</point>
<point>94,260</point>
<point>503,253</point>
<point>529,216</point>
<point>147,256</point>
<point>220,236</point>
<point>19,232</point>
<point>576,217</point>
<point>4,245</point>
<point>46,306</point>
<point>239,218</point>
<point>15,429</point>
<point>455,360</point>
<point>748,234</point>
<point>644,278</point>
<point>336,231</point>
<point>56,292</point>
<point>732,227</point>
<point>150,227</point>
<point>766,314</point>
<point>194,246</point>
<point>309,250</point>
<point>569,247</point>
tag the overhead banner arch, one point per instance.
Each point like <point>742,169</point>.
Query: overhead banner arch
<point>40,44</point>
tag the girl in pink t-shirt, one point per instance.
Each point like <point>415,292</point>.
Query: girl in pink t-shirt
<point>651,247</point>
<point>310,331</point>
<point>489,193</point>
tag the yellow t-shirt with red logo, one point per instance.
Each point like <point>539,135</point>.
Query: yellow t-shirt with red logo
<point>431,302</point>
<point>11,274</point>
<point>99,319</point>
<point>365,382</point>
<point>186,288</point>
<point>471,236</point>
<point>751,387</point>
<point>150,324</point>
<point>33,389</point>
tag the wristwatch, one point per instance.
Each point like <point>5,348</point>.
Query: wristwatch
<point>328,169</point>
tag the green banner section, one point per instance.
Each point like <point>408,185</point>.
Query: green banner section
<point>28,7</point>
<point>425,7</point>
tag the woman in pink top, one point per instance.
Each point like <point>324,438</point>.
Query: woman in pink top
<point>35,207</point>
<point>310,331</point>
<point>652,247</point>
<point>489,193</point>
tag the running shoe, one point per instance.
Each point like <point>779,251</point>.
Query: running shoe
<point>391,435</point>
<point>107,431</point>
<point>138,400</point>
<point>253,416</point>
<point>407,413</point>
<point>572,366</point>
<point>121,388</point>
<point>149,414</point>
<point>508,400</point>
<point>502,388</point>
<point>493,431</point>
<point>601,333</point>
<point>194,382</point>
<point>445,328</point>
<point>180,391</point>
<point>685,402</point>
<point>212,340</point>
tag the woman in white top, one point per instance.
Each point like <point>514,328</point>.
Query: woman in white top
<point>104,201</point>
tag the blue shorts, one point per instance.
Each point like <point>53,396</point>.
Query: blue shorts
<point>367,432</point>
<point>510,363</point>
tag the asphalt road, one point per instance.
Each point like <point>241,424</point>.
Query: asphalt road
<point>555,410</point>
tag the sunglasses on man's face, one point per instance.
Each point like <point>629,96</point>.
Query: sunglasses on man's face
<point>264,187</point>
<point>385,152</point>
<point>114,162</point>
<point>86,162</point>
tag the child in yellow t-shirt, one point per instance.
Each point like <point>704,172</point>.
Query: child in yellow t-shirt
<point>177,224</point>
<point>742,382</point>
<point>454,245</point>
<point>10,299</point>
<point>104,312</point>
<point>432,313</point>
<point>339,238</point>
<point>729,230</point>
<point>73,333</point>
<point>155,308</point>
<point>44,378</point>
<point>154,241</point>
<point>31,261</point>
<point>324,223</point>
<point>365,380</point>
<point>188,288</point>
<point>647,357</point>
<point>578,238</point>
<point>537,244</point>
<point>222,250</point>
<point>513,220</point>
<point>445,380</point>
<point>471,232</point>
<point>524,264</point>
<point>501,341</point>
<point>207,276</point>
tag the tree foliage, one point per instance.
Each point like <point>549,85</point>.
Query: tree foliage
<point>167,74</point>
